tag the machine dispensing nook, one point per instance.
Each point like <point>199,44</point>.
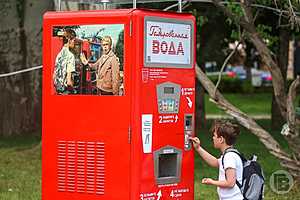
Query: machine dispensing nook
<point>118,105</point>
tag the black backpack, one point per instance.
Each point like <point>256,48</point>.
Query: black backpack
<point>252,186</point>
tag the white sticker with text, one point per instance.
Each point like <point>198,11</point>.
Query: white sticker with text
<point>168,42</point>
<point>147,132</point>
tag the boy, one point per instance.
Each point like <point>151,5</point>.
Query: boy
<point>65,64</point>
<point>108,69</point>
<point>224,137</point>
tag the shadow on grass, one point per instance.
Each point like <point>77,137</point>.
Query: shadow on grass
<point>20,143</point>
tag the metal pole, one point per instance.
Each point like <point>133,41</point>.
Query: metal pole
<point>134,4</point>
<point>59,4</point>
<point>180,6</point>
<point>105,3</point>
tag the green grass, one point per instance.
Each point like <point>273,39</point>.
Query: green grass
<point>256,103</point>
<point>20,166</point>
<point>249,103</point>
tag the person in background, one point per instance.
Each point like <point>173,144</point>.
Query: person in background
<point>108,69</point>
<point>65,64</point>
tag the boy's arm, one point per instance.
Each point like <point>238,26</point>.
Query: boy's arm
<point>115,68</point>
<point>229,182</point>
<point>94,65</point>
<point>69,79</point>
<point>70,69</point>
<point>207,157</point>
<point>85,62</point>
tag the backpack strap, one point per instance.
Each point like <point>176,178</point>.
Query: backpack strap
<point>231,149</point>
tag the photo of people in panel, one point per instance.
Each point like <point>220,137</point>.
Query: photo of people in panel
<point>88,60</point>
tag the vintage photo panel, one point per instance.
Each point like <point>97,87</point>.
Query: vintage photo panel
<point>88,59</point>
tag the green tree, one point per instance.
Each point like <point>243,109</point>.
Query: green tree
<point>209,47</point>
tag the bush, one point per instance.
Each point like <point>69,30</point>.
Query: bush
<point>227,84</point>
<point>247,87</point>
<point>236,85</point>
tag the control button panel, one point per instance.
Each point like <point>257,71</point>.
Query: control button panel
<point>168,97</point>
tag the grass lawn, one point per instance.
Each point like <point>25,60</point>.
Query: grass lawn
<point>250,103</point>
<point>20,167</point>
<point>256,103</point>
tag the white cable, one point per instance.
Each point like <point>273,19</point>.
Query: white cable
<point>21,71</point>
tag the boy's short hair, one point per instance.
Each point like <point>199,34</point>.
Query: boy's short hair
<point>228,130</point>
<point>107,39</point>
<point>69,34</point>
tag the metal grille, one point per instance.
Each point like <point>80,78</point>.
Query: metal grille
<point>81,167</point>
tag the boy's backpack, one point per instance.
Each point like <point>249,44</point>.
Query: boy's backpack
<point>60,74</point>
<point>253,180</point>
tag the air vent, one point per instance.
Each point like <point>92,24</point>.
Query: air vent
<point>81,167</point>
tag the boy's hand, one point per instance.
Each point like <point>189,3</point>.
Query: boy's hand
<point>196,142</point>
<point>207,181</point>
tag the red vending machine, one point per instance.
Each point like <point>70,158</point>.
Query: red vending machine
<point>128,138</point>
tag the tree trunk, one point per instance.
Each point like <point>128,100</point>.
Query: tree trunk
<point>200,92</point>
<point>284,38</point>
<point>293,138</point>
<point>248,63</point>
<point>21,47</point>
<point>277,78</point>
<point>277,120</point>
<point>200,106</point>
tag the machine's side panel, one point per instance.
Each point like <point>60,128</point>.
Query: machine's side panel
<point>165,103</point>
<point>86,137</point>
<point>136,156</point>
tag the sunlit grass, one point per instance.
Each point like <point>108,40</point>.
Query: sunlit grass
<point>259,103</point>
